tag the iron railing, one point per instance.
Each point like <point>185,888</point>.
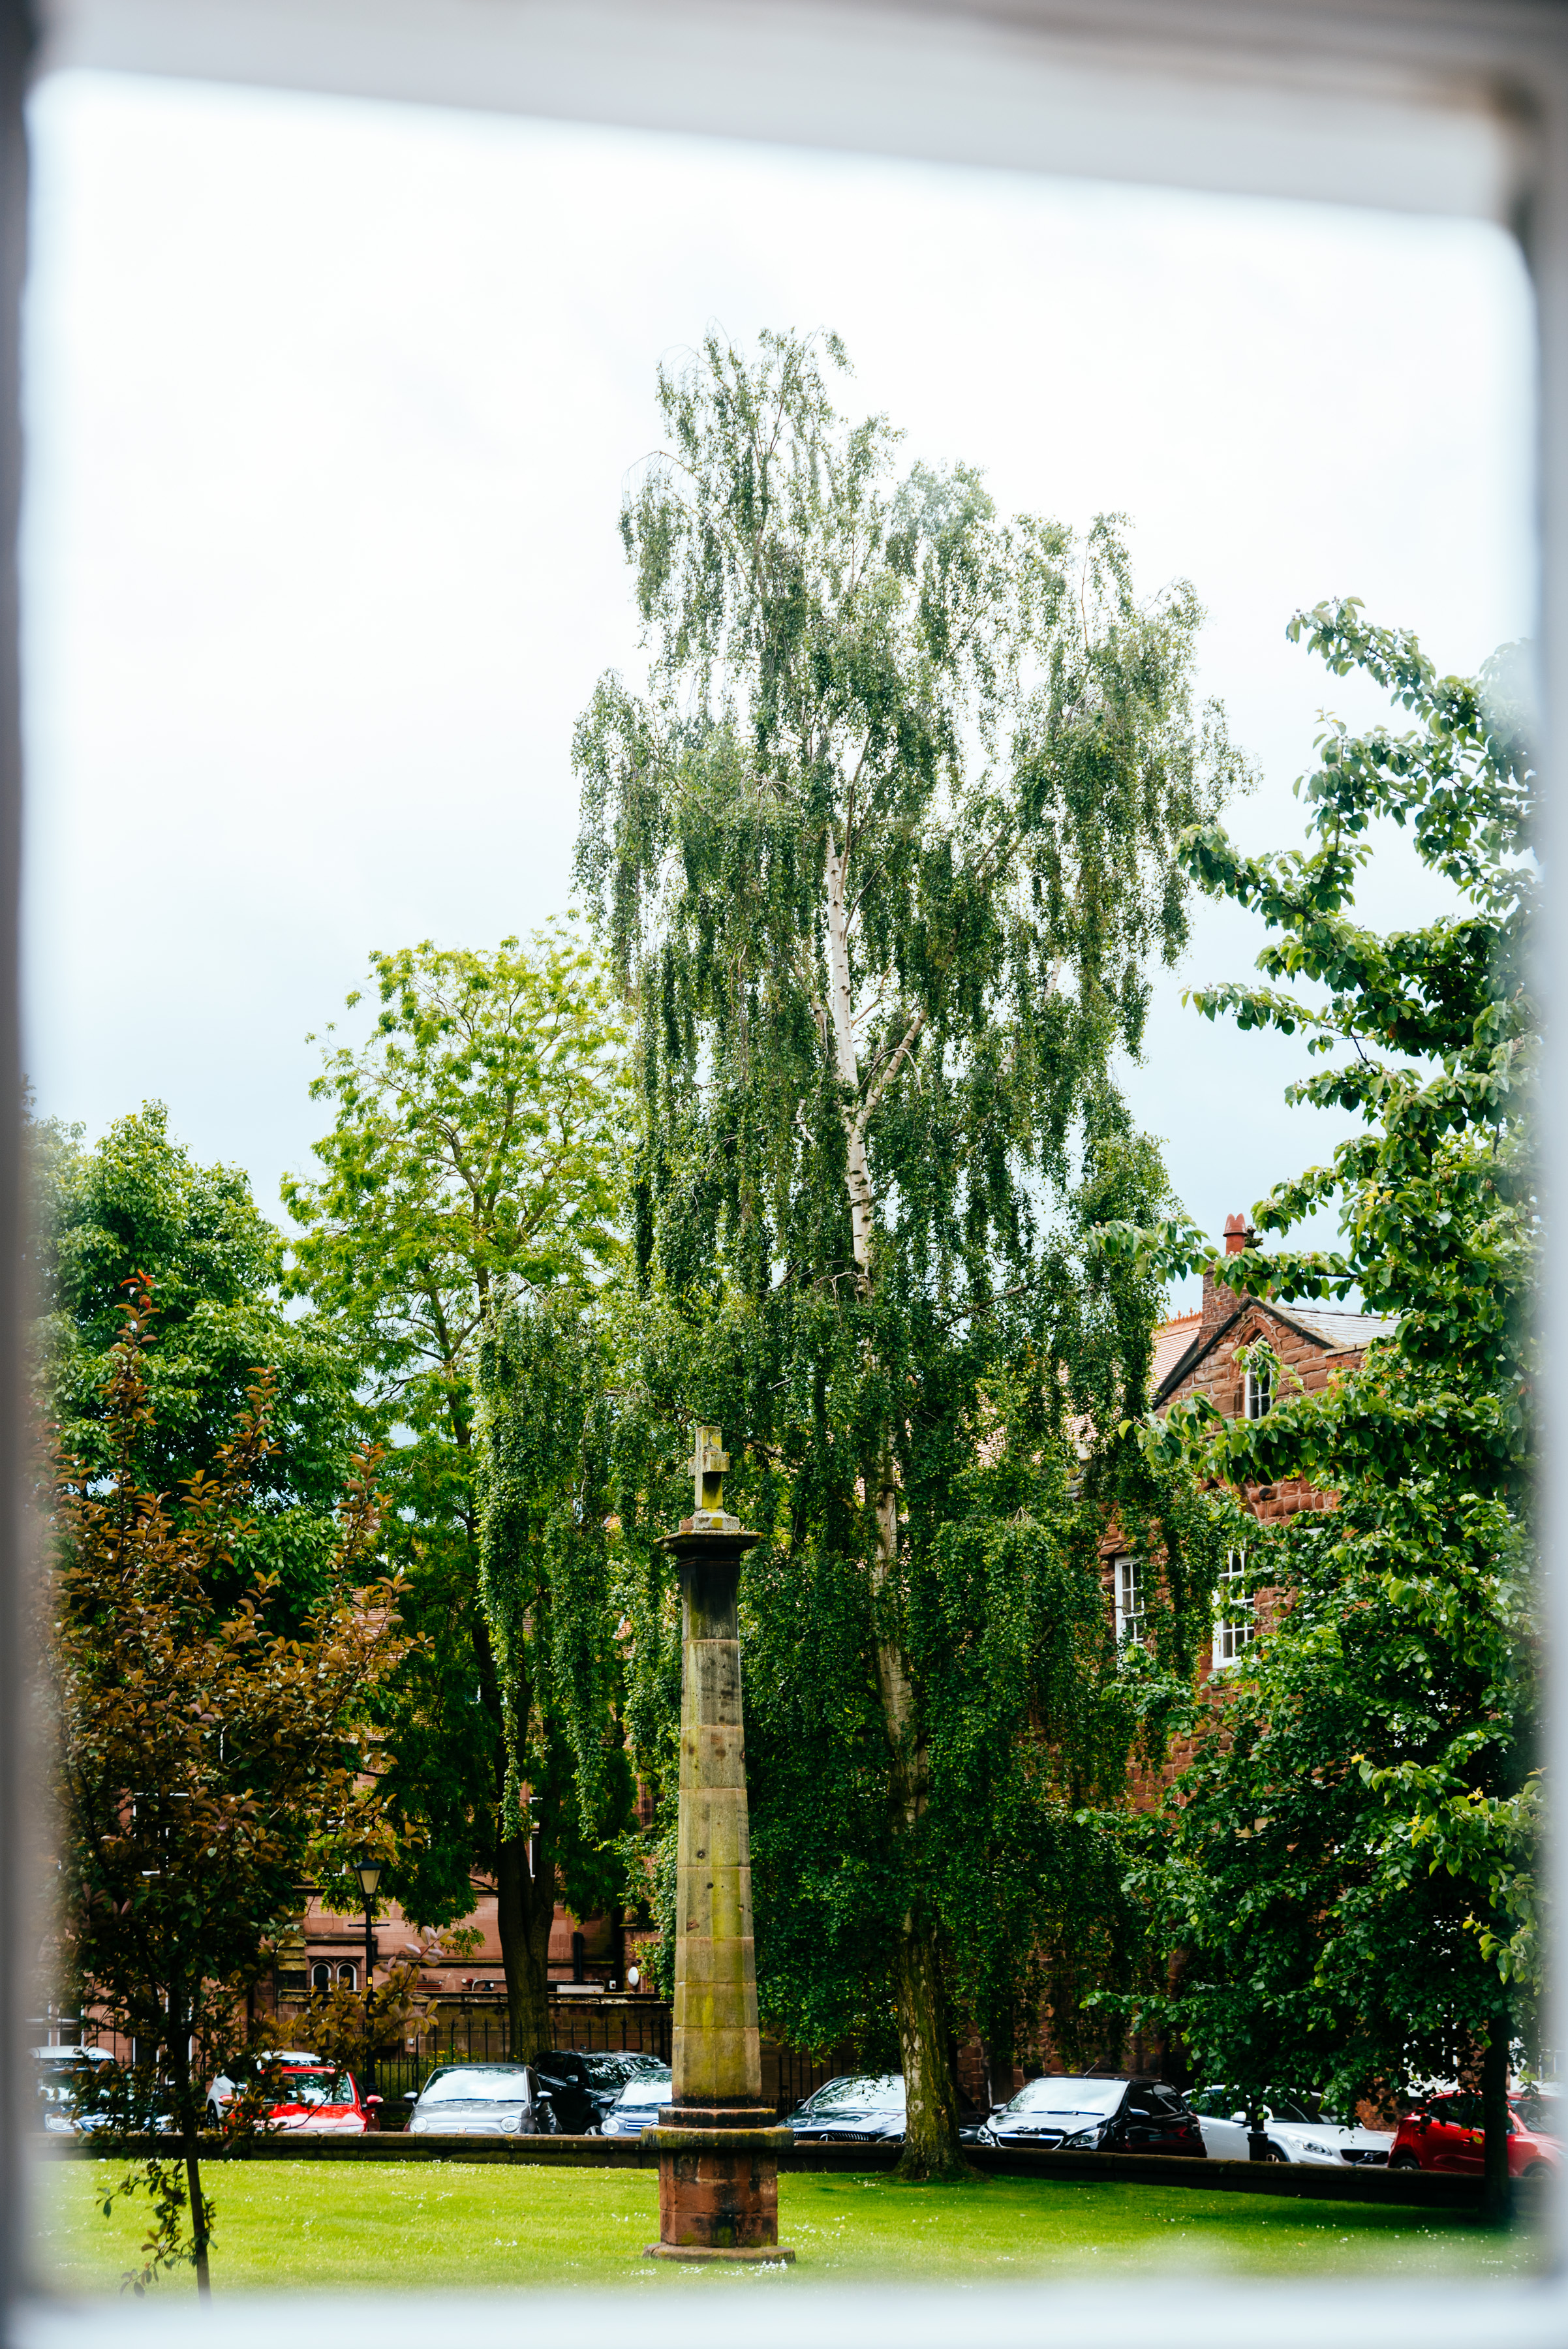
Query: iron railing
<point>593,2025</point>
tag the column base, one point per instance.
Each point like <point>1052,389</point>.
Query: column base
<point>718,2186</point>
<point>756,2253</point>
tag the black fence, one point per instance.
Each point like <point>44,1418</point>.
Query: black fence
<point>481,2036</point>
<point>595,2025</point>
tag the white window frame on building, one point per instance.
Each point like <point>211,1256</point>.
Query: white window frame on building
<point>1258,1392</point>
<point>1233,1632</point>
<point>334,1975</point>
<point>1131,1598</point>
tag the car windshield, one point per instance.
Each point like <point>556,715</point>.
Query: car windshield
<point>478,2084</point>
<point>316,2088</point>
<point>645,2092</point>
<point>610,2071</point>
<point>1068,2095</point>
<point>870,2093</point>
<point>1223,2104</point>
<point>1543,2115</point>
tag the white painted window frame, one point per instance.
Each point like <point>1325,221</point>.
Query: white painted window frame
<point>1131,1598</point>
<point>1455,107</point>
<point>1235,1625</point>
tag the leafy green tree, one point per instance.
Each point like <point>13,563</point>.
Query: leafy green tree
<point>549,1582</point>
<point>883,855</point>
<point>472,1164</point>
<point>137,1204</point>
<point>1349,1866</point>
<point>207,1765</point>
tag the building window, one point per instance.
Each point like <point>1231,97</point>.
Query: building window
<point>349,1976</point>
<point>320,1977</point>
<point>1131,1618</point>
<point>1234,1611</point>
<point>1258,1392</point>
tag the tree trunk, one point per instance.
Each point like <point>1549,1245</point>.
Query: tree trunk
<point>845,1059</point>
<point>930,2120</point>
<point>525,1909</point>
<point>198,2222</point>
<point>1495,2191</point>
<point>930,2125</point>
<point>930,2116</point>
<point>185,2118</point>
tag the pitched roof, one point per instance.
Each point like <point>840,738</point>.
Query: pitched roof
<point>1178,1347</point>
<point>1171,1340</point>
<point>1337,1330</point>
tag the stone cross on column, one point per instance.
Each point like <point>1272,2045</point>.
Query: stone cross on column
<point>718,2155</point>
<point>709,1461</point>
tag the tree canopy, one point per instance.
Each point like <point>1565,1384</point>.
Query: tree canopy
<point>473,1164</point>
<point>137,1204</point>
<point>207,1763</point>
<point>1349,1866</point>
<point>883,855</point>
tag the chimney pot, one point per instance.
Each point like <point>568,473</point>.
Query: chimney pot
<point>1236,1234</point>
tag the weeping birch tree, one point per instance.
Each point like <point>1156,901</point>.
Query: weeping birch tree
<point>885,854</point>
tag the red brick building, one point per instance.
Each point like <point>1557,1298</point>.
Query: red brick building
<point>1197,1353</point>
<point>327,1948</point>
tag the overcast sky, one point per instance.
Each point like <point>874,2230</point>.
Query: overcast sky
<point>331,405</point>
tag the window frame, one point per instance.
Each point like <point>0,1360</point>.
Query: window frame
<point>1245,96</point>
<point>1226,1625</point>
<point>1129,1585</point>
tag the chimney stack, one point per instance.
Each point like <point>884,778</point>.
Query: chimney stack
<point>1220,1302</point>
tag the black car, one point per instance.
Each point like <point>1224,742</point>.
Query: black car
<point>864,2108</point>
<point>1074,2114</point>
<point>583,2087</point>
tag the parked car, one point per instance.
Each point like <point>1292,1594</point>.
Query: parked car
<point>1542,2109</point>
<point>1449,2132</point>
<point>864,2108</point>
<point>482,2100</point>
<point>1292,2133</point>
<point>583,2085</point>
<point>638,2104</point>
<point>1074,2114</point>
<point>861,2109</point>
<point>285,2061</point>
<point>64,2092</point>
<point>307,2097</point>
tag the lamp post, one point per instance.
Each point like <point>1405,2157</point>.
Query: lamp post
<point>368,1871</point>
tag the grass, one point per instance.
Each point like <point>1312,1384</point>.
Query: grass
<point>453,2223</point>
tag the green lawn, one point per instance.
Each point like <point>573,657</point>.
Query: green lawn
<point>451,2224</point>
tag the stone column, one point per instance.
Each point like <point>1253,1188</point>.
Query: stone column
<point>718,2151</point>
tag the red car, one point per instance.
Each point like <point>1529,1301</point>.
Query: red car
<point>311,2098</point>
<point>1447,2132</point>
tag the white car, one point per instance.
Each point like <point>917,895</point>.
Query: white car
<point>1293,2134</point>
<point>637,2106</point>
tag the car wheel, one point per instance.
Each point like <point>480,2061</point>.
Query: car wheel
<point>1276,2153</point>
<point>1404,2161</point>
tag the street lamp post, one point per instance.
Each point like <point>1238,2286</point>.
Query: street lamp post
<point>368,1872</point>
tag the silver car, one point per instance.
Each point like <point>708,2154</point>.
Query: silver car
<point>637,2106</point>
<point>482,2100</point>
<point>65,2100</point>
